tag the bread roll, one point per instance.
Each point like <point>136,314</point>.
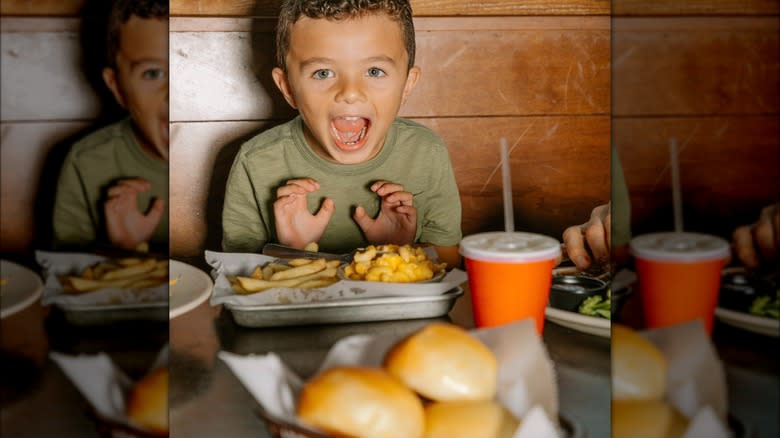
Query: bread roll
<point>480,419</point>
<point>361,402</point>
<point>638,367</point>
<point>646,419</point>
<point>147,405</point>
<point>444,363</point>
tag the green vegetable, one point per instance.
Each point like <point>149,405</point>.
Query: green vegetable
<point>597,306</point>
<point>765,306</point>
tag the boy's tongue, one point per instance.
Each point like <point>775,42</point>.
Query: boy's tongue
<point>349,129</point>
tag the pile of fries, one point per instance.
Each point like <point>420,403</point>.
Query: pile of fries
<point>296,273</point>
<point>125,273</point>
<point>392,263</point>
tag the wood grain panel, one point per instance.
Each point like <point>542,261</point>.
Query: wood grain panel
<point>420,7</point>
<point>41,7</point>
<point>729,169</point>
<point>226,75</point>
<point>43,78</point>
<point>695,7</point>
<point>695,66</point>
<point>30,158</point>
<point>559,164</point>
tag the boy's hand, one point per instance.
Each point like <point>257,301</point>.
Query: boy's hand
<point>295,226</point>
<point>593,235</point>
<point>397,219</point>
<point>757,244</point>
<point>126,225</point>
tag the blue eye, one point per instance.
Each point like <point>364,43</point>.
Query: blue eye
<point>322,74</point>
<point>153,73</point>
<point>375,72</point>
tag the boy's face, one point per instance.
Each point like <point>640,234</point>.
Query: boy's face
<point>140,81</point>
<point>348,79</point>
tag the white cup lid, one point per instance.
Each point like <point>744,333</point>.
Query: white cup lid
<point>679,247</point>
<point>501,246</point>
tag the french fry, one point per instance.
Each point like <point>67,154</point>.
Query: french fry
<point>317,282</point>
<point>276,267</point>
<point>257,274</point>
<point>299,262</point>
<point>126,273</point>
<point>130,261</point>
<point>309,268</point>
<point>252,285</point>
<point>312,247</point>
<point>129,271</point>
<point>332,264</point>
<point>268,271</point>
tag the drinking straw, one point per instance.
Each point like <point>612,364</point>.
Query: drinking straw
<point>676,194</point>
<point>506,182</point>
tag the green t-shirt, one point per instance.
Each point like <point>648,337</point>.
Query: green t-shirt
<point>94,164</point>
<point>412,156</point>
<point>621,204</point>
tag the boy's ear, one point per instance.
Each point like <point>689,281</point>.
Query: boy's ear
<point>109,77</point>
<point>411,81</point>
<point>280,78</point>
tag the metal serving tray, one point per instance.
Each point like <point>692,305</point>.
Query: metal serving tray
<point>108,314</point>
<point>343,311</point>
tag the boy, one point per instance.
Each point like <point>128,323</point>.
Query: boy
<point>114,181</point>
<point>371,178</point>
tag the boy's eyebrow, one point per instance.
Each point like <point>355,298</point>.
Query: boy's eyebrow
<point>138,62</point>
<point>320,60</point>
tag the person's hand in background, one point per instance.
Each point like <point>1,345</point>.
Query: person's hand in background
<point>590,241</point>
<point>127,227</point>
<point>757,244</point>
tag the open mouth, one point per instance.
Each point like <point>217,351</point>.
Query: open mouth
<point>350,132</point>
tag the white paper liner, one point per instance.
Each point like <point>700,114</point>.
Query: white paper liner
<point>63,263</point>
<point>102,383</point>
<point>695,379</point>
<point>527,384</point>
<point>244,263</point>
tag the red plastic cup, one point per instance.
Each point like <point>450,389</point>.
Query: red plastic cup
<point>679,276</point>
<point>509,276</point>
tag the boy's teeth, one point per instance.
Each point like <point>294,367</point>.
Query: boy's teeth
<point>350,129</point>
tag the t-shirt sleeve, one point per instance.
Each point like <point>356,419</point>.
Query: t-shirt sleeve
<point>73,223</point>
<point>243,228</point>
<point>442,211</point>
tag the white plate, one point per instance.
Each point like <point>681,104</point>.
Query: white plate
<point>582,323</point>
<point>23,288</point>
<point>192,287</point>
<point>746,321</point>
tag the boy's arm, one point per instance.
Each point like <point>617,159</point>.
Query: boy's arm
<point>72,219</point>
<point>243,227</point>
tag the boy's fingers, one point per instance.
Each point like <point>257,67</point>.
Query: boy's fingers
<point>383,188</point>
<point>362,219</point>
<point>575,247</point>
<point>157,209</point>
<point>765,239</point>
<point>138,184</point>
<point>743,246</point>
<point>307,184</point>
<point>596,238</point>
<point>402,198</point>
<point>290,189</point>
<point>326,210</point>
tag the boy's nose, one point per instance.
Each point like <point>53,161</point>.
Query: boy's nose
<point>350,91</point>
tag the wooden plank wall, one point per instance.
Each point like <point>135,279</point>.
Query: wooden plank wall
<point>540,81</point>
<point>710,80</point>
<point>46,103</point>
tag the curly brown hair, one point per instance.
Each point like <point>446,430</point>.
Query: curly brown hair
<point>293,10</point>
<point>121,11</point>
